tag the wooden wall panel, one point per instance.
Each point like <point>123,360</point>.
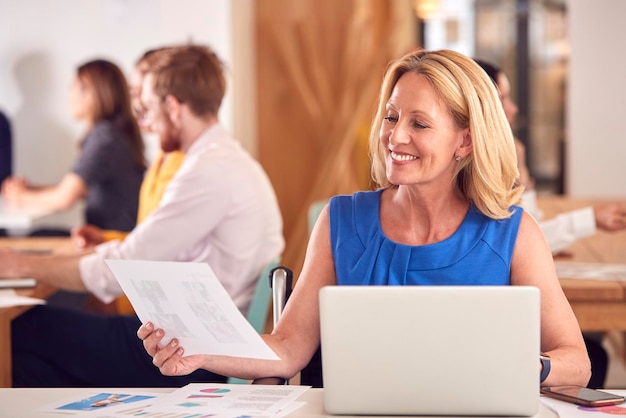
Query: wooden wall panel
<point>319,68</point>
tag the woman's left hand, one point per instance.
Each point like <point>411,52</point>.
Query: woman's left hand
<point>10,263</point>
<point>169,358</point>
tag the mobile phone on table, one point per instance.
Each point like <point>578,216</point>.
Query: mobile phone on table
<point>582,395</point>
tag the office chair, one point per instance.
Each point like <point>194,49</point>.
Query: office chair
<point>311,375</point>
<point>281,281</point>
<point>259,306</point>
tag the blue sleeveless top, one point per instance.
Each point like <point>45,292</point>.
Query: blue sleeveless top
<point>478,253</point>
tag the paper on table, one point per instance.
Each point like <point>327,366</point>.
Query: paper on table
<point>599,271</point>
<point>100,400</point>
<point>9,298</point>
<point>226,401</point>
<point>15,283</point>
<point>189,303</point>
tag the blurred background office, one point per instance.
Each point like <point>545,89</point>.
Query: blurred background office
<point>304,76</point>
<point>43,41</point>
<point>298,90</point>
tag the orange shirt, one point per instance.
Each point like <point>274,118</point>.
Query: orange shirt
<point>154,183</point>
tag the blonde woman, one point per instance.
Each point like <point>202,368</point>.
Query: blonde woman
<point>444,157</point>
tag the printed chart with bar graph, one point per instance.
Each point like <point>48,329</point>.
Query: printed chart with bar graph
<point>199,400</point>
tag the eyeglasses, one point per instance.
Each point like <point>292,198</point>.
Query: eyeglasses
<point>147,111</point>
<point>138,110</point>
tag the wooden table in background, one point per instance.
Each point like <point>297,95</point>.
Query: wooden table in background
<point>40,291</point>
<point>599,305</point>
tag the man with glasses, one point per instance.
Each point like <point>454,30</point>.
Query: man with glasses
<point>219,208</point>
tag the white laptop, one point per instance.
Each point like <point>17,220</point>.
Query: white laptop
<point>430,350</point>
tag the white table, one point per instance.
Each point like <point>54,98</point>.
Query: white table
<point>22,403</point>
<point>17,218</point>
<point>18,221</point>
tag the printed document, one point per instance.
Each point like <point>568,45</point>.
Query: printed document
<point>99,401</point>
<point>199,400</point>
<point>599,271</point>
<point>9,298</point>
<point>189,303</point>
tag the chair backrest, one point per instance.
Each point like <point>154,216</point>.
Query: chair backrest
<point>314,212</point>
<point>259,307</point>
<point>281,279</point>
<point>312,373</point>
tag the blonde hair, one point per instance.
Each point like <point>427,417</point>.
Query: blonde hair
<point>488,175</point>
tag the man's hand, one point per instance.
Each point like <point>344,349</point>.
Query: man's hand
<point>87,236</point>
<point>10,264</point>
<point>610,217</point>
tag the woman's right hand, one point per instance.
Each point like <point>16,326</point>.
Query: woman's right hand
<point>168,358</point>
<point>12,189</point>
<point>87,236</point>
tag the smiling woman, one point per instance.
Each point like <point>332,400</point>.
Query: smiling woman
<point>435,220</point>
<point>417,138</point>
<point>476,123</point>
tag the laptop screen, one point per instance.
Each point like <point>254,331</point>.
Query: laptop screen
<point>437,350</point>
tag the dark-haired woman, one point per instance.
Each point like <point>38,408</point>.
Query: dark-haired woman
<point>110,167</point>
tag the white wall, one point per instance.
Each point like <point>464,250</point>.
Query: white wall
<point>596,103</point>
<point>43,41</point>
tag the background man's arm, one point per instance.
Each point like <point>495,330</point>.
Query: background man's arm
<point>60,271</point>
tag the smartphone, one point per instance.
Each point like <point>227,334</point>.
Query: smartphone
<point>582,396</point>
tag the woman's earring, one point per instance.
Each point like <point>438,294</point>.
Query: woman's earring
<point>457,158</point>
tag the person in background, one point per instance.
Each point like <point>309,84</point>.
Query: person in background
<point>110,166</point>
<point>219,208</point>
<point>158,176</point>
<point>444,158</point>
<point>566,228</point>
<point>6,153</point>
<point>136,80</point>
<point>6,148</point>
